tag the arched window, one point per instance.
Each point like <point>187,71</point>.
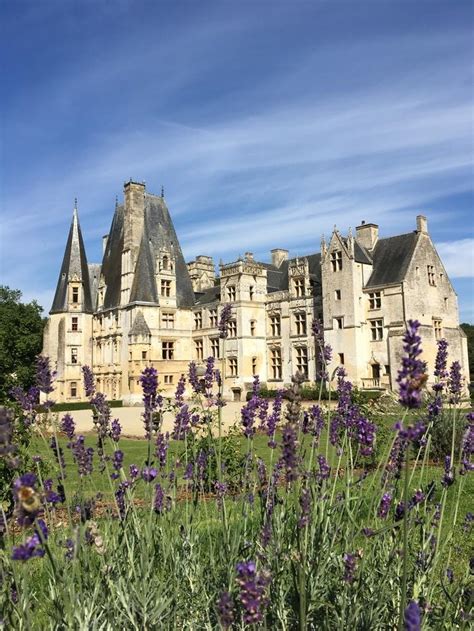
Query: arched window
<point>165,262</point>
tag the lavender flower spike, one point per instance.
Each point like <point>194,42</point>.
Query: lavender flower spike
<point>412,376</point>
<point>412,617</point>
<point>226,315</point>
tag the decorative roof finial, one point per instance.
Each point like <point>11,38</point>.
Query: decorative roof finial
<point>75,203</point>
<point>162,191</point>
<point>116,201</point>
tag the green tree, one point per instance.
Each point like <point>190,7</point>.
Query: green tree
<point>21,339</point>
<point>469,331</point>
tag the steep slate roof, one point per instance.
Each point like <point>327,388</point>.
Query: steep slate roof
<point>112,261</point>
<point>211,294</point>
<point>140,326</point>
<point>144,285</point>
<point>391,258</point>
<point>74,265</point>
<point>94,276</point>
<point>158,232</point>
<point>161,232</point>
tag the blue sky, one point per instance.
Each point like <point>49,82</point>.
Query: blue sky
<point>266,122</point>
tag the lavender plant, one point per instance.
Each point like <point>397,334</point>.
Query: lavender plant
<point>302,534</point>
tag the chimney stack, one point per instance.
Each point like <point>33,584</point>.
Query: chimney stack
<point>422,224</point>
<point>278,256</point>
<point>367,235</point>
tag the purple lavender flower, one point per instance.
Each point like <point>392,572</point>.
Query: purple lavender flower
<point>89,382</point>
<point>315,422</point>
<point>162,444</point>
<point>324,469</point>
<point>68,426</point>
<point>115,430</point>
<point>28,402</point>
<point>117,463</point>
<point>274,418</point>
<point>350,566</point>
<point>180,388</point>
<point>412,617</point>
<point>158,502</point>
<point>226,315</point>
<point>209,377</point>
<point>70,549</point>
<point>182,423</point>
<point>44,375</point>
<point>289,452</point>
<point>324,350</point>
<point>83,457</point>
<point>448,475</point>
<point>149,474</point>
<point>467,445</point>
<point>252,591</point>
<point>221,490</point>
<point>412,375</point>
<point>194,378</point>
<point>384,506</point>
<point>134,471</point>
<point>50,496</point>
<point>248,414</point>
<point>201,464</point>
<point>225,610</point>
<point>120,495</point>
<point>455,382</point>
<point>399,511</point>
<point>441,360</point>
<point>188,472</point>
<point>102,415</point>
<point>33,546</point>
<point>151,399</point>
<point>305,507</point>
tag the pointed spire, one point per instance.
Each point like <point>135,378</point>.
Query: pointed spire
<point>74,268</point>
<point>116,201</point>
<point>162,191</point>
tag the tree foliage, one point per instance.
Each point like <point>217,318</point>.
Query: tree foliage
<point>469,331</point>
<point>21,338</point>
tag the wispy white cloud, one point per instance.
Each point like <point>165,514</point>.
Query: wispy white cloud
<point>276,161</point>
<point>458,257</point>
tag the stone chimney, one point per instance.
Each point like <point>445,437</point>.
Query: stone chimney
<point>367,235</point>
<point>278,256</point>
<point>134,214</point>
<point>422,224</point>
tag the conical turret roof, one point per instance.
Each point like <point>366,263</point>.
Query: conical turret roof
<point>74,268</point>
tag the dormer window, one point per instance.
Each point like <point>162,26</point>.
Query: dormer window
<point>75,295</point>
<point>336,260</point>
<point>166,288</point>
<point>165,263</point>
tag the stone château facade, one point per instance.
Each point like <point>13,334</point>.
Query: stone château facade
<point>143,305</point>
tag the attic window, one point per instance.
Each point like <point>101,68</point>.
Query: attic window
<point>165,263</point>
<point>75,295</point>
<point>336,260</point>
<point>431,275</point>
